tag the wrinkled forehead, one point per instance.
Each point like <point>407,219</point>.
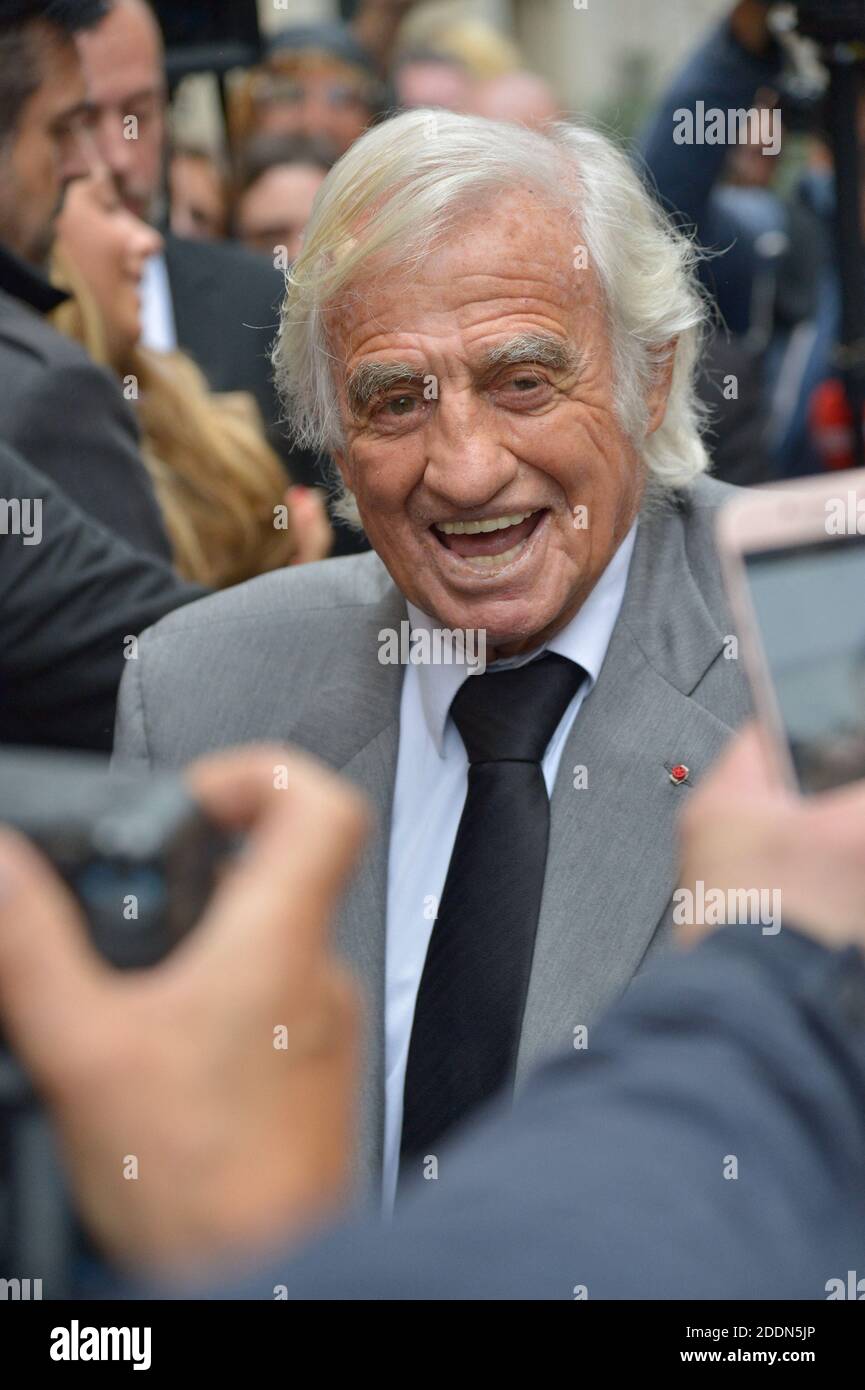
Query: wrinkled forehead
<point>511,254</point>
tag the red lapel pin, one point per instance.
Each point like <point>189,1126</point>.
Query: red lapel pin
<point>679,774</point>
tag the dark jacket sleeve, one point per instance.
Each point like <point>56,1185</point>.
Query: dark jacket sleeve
<point>72,420</point>
<point>720,74</point>
<point>709,1143</point>
<point>226,309</point>
<point>723,75</point>
<point>70,596</point>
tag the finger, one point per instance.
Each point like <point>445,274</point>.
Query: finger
<point>840,812</point>
<point>281,895</point>
<point>742,768</point>
<point>313,532</point>
<point>243,786</point>
<point>51,977</point>
<point>236,787</point>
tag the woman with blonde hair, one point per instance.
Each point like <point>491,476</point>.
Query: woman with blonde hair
<point>228,507</point>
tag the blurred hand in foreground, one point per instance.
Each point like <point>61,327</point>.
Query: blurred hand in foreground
<point>312,529</point>
<point>742,831</point>
<point>239,1143</point>
<point>237,1140</point>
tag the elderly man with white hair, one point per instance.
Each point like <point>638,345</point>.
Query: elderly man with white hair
<point>493,332</point>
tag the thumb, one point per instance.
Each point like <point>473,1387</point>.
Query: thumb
<point>743,768</point>
<point>312,529</point>
<point>50,975</point>
<point>276,902</point>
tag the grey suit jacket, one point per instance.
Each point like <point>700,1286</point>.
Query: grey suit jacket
<point>293,656</point>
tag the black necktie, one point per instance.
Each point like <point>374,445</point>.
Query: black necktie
<point>473,988</point>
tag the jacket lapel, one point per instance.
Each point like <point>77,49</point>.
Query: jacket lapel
<point>353,722</point>
<point>611,865</point>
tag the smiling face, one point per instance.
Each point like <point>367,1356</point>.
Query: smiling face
<point>109,247</point>
<point>316,96</point>
<point>478,409</point>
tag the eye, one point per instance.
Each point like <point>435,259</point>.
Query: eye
<point>399,405</point>
<point>526,389</point>
<point>401,410</point>
<point>527,382</point>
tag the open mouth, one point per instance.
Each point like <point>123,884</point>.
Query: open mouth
<point>491,543</point>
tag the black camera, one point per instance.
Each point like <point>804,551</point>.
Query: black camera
<point>136,851</point>
<point>141,858</point>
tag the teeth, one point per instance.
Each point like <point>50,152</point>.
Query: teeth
<point>486,563</point>
<point>473,528</point>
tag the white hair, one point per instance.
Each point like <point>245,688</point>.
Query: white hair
<point>402,186</point>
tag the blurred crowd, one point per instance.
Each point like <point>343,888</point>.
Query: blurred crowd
<point>761,208</point>
<point>317,90</point>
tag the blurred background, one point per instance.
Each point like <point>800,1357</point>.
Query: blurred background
<point>608,59</point>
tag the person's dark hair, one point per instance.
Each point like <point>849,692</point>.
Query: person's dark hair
<point>264,152</point>
<point>19,59</point>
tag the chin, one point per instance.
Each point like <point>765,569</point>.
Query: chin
<point>506,622</point>
<point>514,636</point>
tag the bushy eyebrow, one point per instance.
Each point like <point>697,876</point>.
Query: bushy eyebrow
<point>368,379</point>
<point>545,349</point>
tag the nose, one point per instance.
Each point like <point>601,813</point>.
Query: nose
<point>114,149</point>
<point>468,463</point>
<point>149,242</point>
<point>143,243</point>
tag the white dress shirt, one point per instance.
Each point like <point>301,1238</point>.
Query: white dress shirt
<point>158,330</point>
<point>430,788</point>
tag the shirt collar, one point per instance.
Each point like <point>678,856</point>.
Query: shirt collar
<point>25,282</point>
<point>584,640</point>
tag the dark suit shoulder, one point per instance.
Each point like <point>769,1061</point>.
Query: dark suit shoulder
<point>226,311</point>
<point>56,391</point>
<point>239,271</point>
<point>30,337</point>
<point>58,394</point>
<point>68,416</point>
